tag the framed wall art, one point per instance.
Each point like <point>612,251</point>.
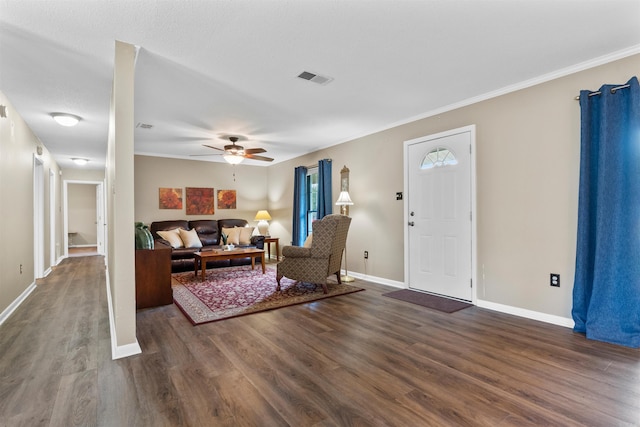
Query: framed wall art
<point>200,201</point>
<point>226,199</point>
<point>170,198</point>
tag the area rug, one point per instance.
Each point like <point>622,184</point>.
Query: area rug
<point>236,291</point>
<point>446,305</point>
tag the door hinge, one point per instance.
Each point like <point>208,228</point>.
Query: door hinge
<point>471,281</point>
<point>469,148</point>
<point>470,215</point>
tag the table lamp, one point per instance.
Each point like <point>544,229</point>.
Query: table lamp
<point>263,226</point>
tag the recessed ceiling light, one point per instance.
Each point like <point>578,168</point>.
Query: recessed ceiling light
<point>66,119</point>
<point>80,161</point>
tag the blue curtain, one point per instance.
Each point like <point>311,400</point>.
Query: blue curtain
<point>606,293</point>
<point>325,201</point>
<point>299,228</point>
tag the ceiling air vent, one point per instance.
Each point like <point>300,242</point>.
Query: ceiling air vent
<point>144,126</point>
<point>321,80</point>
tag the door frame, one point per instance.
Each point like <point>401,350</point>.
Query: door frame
<point>471,129</point>
<point>100,214</point>
<point>38,217</point>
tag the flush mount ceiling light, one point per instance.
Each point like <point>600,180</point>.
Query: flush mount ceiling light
<point>80,161</point>
<point>66,119</point>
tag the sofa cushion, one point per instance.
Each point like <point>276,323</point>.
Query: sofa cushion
<point>190,238</point>
<point>207,230</point>
<point>167,225</point>
<point>233,235</point>
<point>172,236</point>
<point>245,235</point>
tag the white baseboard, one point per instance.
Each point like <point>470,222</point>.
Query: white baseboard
<point>374,279</point>
<point>529,314</point>
<point>118,352</point>
<point>16,303</point>
<point>507,309</point>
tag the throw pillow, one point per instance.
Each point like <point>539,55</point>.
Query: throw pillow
<point>190,238</point>
<point>245,235</point>
<point>172,236</point>
<point>233,235</point>
<point>308,241</point>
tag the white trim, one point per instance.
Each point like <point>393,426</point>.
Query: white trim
<point>52,219</point>
<point>374,279</point>
<point>118,352</point>
<point>38,217</point>
<point>16,303</point>
<point>529,314</point>
<point>507,309</point>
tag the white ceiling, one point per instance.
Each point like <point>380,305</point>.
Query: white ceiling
<point>208,68</point>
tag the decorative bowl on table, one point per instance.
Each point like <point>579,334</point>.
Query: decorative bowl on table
<point>227,247</point>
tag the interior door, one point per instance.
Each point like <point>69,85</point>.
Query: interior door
<point>439,222</point>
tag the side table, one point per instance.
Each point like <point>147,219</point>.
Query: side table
<point>268,241</point>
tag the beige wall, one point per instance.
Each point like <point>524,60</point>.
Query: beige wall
<point>18,146</point>
<point>528,147</point>
<point>153,173</point>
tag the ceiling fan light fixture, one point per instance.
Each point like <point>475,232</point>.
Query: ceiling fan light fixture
<point>233,159</point>
<point>65,119</point>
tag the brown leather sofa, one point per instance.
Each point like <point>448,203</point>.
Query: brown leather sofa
<point>209,232</point>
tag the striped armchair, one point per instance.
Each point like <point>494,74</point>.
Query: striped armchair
<point>324,258</point>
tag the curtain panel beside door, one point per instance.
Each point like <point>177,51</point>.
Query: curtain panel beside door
<point>606,293</point>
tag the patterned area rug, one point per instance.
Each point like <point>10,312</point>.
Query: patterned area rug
<point>236,291</point>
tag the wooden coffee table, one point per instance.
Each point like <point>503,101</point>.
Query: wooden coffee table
<point>201,258</point>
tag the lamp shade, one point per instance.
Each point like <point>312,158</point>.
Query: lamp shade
<point>263,215</point>
<point>344,199</point>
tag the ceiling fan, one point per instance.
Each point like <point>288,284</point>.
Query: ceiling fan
<point>235,154</point>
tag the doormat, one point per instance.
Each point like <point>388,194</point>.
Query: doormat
<point>446,305</point>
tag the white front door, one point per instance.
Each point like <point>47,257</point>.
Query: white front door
<point>439,214</point>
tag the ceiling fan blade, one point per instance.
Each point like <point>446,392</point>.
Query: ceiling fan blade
<point>263,158</point>
<point>254,150</point>
<point>211,146</point>
<point>203,155</point>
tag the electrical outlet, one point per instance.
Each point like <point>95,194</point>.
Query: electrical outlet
<point>366,254</point>
<point>554,280</point>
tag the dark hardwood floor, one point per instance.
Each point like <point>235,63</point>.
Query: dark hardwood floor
<point>355,360</point>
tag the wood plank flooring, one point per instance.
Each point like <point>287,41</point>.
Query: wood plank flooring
<point>355,360</point>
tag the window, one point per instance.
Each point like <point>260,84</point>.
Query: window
<point>438,157</point>
<point>312,198</point>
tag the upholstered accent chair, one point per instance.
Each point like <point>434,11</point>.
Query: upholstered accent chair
<point>323,258</point>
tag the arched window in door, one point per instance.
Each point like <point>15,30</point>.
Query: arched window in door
<point>438,157</point>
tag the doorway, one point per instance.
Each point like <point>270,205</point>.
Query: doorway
<point>86,228</point>
<point>439,209</point>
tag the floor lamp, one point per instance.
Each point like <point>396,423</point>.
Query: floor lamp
<point>344,201</point>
